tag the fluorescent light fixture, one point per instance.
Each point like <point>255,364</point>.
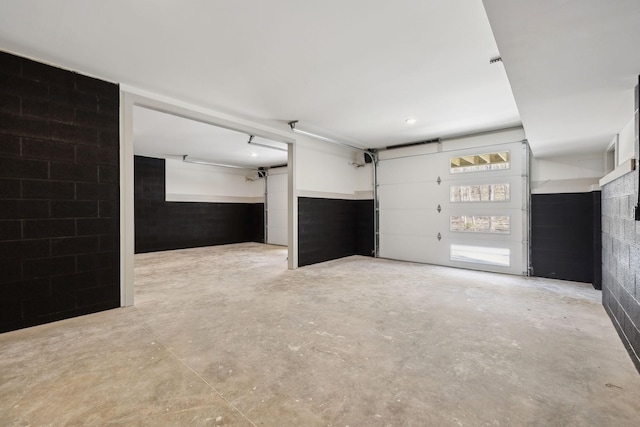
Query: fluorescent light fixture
<point>264,145</point>
<point>322,138</point>
<point>224,165</point>
<point>411,120</point>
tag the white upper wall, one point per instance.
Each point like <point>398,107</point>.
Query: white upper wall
<point>189,182</point>
<point>625,153</point>
<point>626,142</point>
<point>480,140</point>
<point>324,169</point>
<point>566,174</point>
<point>364,181</point>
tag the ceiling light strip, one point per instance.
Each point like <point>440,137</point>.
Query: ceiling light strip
<point>323,138</point>
<point>224,165</point>
<point>265,145</point>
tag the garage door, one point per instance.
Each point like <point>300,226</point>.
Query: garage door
<point>465,208</point>
<point>276,208</point>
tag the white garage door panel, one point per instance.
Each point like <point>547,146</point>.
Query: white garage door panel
<point>496,177</point>
<point>277,225</point>
<point>412,248</point>
<point>411,169</point>
<point>418,222</point>
<point>409,222</point>
<point>413,195</point>
<point>278,235</point>
<point>277,199</point>
<point>490,239</point>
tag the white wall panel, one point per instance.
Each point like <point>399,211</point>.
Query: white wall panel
<point>485,139</point>
<point>364,178</point>
<point>626,142</point>
<point>325,168</point>
<point>566,174</point>
<point>189,182</point>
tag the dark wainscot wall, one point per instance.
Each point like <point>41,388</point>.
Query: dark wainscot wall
<point>162,225</point>
<point>59,194</point>
<point>621,260</point>
<point>333,228</point>
<point>566,237</point>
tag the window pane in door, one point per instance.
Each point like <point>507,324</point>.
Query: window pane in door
<point>481,255</point>
<point>480,224</point>
<point>480,162</point>
<point>480,193</point>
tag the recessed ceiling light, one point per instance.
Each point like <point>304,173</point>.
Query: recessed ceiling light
<point>411,120</point>
<point>253,154</point>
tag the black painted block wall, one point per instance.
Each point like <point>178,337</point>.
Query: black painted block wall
<point>565,230</point>
<point>161,225</point>
<point>597,239</point>
<point>333,228</point>
<point>621,252</point>
<point>621,260</point>
<point>364,223</point>
<point>59,194</point>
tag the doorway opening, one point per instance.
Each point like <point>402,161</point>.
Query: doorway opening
<point>192,178</point>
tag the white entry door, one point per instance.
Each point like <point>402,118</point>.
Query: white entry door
<point>464,208</point>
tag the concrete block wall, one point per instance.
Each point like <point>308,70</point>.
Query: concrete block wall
<point>162,225</point>
<point>333,228</point>
<point>621,260</point>
<point>565,236</point>
<point>59,194</point>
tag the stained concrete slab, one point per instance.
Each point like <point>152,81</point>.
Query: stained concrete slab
<point>102,369</point>
<point>228,336</point>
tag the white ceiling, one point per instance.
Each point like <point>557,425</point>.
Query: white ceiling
<point>349,69</point>
<point>162,135</point>
<point>572,65</point>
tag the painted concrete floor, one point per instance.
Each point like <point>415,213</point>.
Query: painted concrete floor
<point>226,336</point>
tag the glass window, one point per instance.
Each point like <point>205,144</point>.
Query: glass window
<point>480,193</point>
<point>480,224</point>
<point>481,255</point>
<point>480,162</point>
